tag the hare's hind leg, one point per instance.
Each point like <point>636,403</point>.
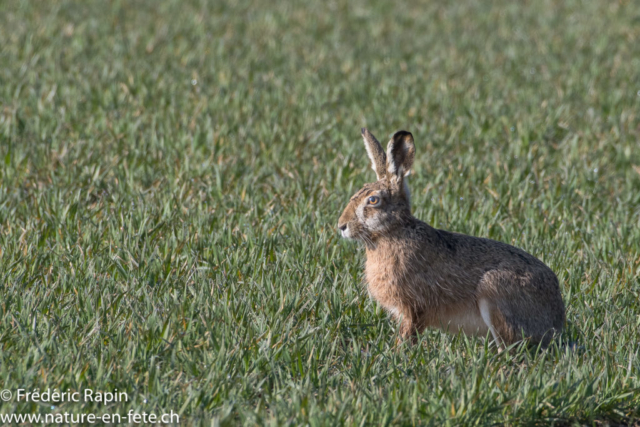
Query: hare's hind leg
<point>516,309</point>
<point>521,307</point>
<point>509,328</point>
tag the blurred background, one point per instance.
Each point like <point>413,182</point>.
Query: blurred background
<point>173,171</point>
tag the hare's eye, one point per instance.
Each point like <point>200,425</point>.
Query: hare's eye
<point>373,200</point>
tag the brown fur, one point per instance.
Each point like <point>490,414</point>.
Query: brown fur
<point>428,277</point>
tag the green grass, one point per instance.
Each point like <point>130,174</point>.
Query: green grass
<point>172,174</point>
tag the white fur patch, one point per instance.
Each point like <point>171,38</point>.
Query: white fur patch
<point>468,321</point>
<point>371,158</point>
<point>391,164</point>
<point>360,213</point>
<point>485,312</point>
<point>394,312</point>
<point>373,223</point>
<point>346,233</point>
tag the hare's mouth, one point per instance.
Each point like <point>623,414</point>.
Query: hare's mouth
<point>345,231</point>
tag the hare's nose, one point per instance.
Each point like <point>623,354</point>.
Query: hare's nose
<point>342,227</point>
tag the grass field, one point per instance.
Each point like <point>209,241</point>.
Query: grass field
<point>172,175</point>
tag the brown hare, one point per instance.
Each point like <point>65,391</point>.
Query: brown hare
<point>427,277</point>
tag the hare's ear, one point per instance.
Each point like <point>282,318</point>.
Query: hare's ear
<point>376,153</point>
<point>400,153</point>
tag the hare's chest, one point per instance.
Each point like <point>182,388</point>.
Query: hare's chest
<point>380,280</point>
<point>390,285</point>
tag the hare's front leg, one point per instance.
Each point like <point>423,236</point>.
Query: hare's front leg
<point>408,331</point>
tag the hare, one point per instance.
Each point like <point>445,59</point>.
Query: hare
<point>427,277</point>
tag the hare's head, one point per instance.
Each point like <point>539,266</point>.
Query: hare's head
<point>382,206</point>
